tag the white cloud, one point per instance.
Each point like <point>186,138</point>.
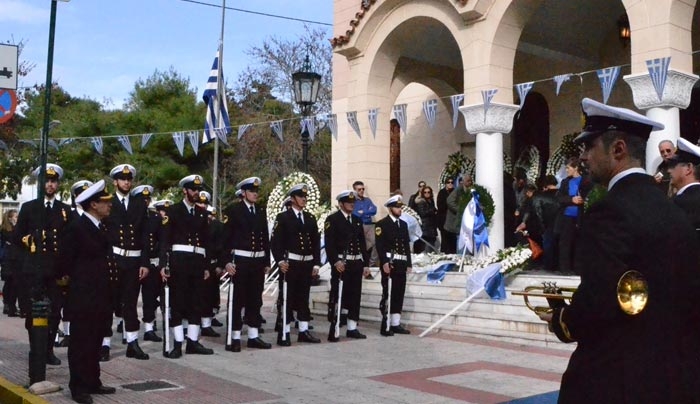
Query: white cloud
<point>19,11</point>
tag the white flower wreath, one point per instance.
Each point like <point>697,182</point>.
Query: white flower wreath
<point>275,202</point>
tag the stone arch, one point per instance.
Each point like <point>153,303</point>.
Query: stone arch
<point>531,127</point>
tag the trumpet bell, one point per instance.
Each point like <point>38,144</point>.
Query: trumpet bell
<point>632,292</point>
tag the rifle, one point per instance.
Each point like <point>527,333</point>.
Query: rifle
<point>229,313</point>
<point>284,299</point>
<point>336,333</point>
<point>166,310</point>
<point>388,296</point>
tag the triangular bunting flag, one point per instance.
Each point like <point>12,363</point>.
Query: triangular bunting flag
<point>194,141</point>
<point>145,138</point>
<point>277,129</point>
<point>456,100</point>
<point>179,138</point>
<point>372,118</point>
<point>126,143</point>
<point>352,120</point>
<point>333,125</point>
<point>65,141</point>
<point>53,144</point>
<point>308,124</point>
<point>430,111</point>
<point>97,142</point>
<point>523,90</point>
<point>658,71</point>
<point>607,78</point>
<point>487,96</point>
<point>243,129</point>
<point>400,115</point>
<point>560,79</point>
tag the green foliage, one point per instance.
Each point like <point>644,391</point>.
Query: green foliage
<point>596,194</point>
<point>485,199</point>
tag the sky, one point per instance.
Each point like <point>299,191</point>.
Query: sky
<point>102,47</point>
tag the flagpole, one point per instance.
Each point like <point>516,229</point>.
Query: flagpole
<point>219,92</point>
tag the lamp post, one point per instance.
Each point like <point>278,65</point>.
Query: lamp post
<point>306,85</point>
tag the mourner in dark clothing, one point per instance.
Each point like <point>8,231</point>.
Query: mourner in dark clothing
<point>636,342</point>
<point>425,207</point>
<point>546,207</point>
<point>9,261</point>
<point>684,168</point>
<point>571,195</point>
<point>448,240</point>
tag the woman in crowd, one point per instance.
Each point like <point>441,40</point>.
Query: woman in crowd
<point>572,192</point>
<point>9,257</point>
<point>425,206</point>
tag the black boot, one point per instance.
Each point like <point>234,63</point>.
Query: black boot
<point>133,350</point>
<point>176,352</point>
<point>194,347</point>
<point>235,346</point>
<point>152,336</point>
<point>51,359</point>
<point>104,353</point>
<point>287,341</point>
<point>331,334</point>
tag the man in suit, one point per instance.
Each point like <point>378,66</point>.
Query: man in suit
<point>395,261</point>
<point>127,226</point>
<point>40,249</point>
<point>86,257</point>
<point>684,169</point>
<point>349,260</point>
<point>246,258</point>
<point>296,247</point>
<point>639,346</point>
<point>185,240</point>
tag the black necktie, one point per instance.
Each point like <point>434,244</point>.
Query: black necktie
<point>349,220</point>
<point>48,207</point>
<point>102,227</point>
<point>124,203</point>
<point>252,210</point>
<point>191,211</point>
<point>300,218</point>
<point>398,224</point>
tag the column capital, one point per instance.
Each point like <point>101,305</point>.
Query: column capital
<point>677,91</point>
<point>498,119</point>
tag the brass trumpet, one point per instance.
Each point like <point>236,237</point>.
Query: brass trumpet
<point>554,294</point>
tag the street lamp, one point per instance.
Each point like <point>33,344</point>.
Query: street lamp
<point>306,85</point>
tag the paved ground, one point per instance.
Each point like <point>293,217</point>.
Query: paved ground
<point>401,369</point>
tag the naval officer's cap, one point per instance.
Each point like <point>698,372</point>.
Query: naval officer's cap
<point>80,186</point>
<point>145,190</point>
<point>123,172</point>
<point>53,171</point>
<point>601,118</point>
<point>193,181</point>
<point>239,193</point>
<point>346,196</point>
<point>95,192</point>
<point>394,202</point>
<point>162,204</point>
<point>249,184</point>
<point>205,197</point>
<point>686,152</point>
<point>298,190</point>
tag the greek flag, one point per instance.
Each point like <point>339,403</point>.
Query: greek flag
<point>473,232</point>
<point>490,279</point>
<point>352,120</point>
<point>333,125</point>
<point>560,79</point>
<point>277,129</point>
<point>179,138</point>
<point>607,78</point>
<point>215,105</point>
<point>430,111</point>
<point>372,117</point>
<point>523,90</point>
<point>243,129</point>
<point>97,142</point>
<point>309,124</point>
<point>400,115</point>
<point>194,141</point>
<point>126,143</point>
<point>658,71</point>
<point>487,96</point>
<point>145,138</point>
<point>456,100</point>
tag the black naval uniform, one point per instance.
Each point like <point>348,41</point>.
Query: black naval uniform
<point>345,240</point>
<point>650,357</point>
<point>391,235</point>
<point>246,236</point>
<point>38,268</point>
<point>299,244</point>
<point>689,201</point>
<point>151,286</point>
<point>86,257</point>
<point>185,239</point>
<point>213,294</point>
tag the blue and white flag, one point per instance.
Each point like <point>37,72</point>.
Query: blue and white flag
<point>65,141</point>
<point>126,143</point>
<point>53,144</point>
<point>145,138</point>
<point>560,79</point>
<point>658,71</point>
<point>487,96</point>
<point>352,120</point>
<point>372,117</point>
<point>179,138</point>
<point>97,142</point>
<point>456,100</point>
<point>438,274</point>
<point>473,233</point>
<point>523,90</point>
<point>607,78</point>
<point>430,111</point>
<point>194,141</point>
<point>243,129</point>
<point>276,127</point>
<point>333,125</point>
<point>400,115</point>
<point>215,106</point>
<point>309,124</point>
<point>489,279</point>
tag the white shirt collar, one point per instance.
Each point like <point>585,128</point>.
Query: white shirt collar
<point>296,212</point>
<point>93,219</point>
<point>187,205</point>
<point>51,201</point>
<point>248,205</point>
<point>680,191</point>
<point>622,174</point>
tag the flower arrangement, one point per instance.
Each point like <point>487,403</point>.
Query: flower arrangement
<point>530,160</point>
<point>409,211</point>
<point>511,258</point>
<point>321,213</point>
<point>457,163</point>
<point>566,149</point>
<point>596,194</point>
<point>485,199</point>
<point>275,202</point>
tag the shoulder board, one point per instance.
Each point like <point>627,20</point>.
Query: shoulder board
<point>378,231</point>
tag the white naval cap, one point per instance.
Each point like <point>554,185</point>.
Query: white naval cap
<point>162,204</point>
<point>346,196</point>
<point>123,172</point>
<point>52,170</point>
<point>80,186</point>
<point>239,193</point>
<point>145,190</point>
<point>394,202</point>
<point>95,191</point>
<point>193,181</point>
<point>601,118</point>
<point>298,190</point>
<point>686,152</point>
<point>204,196</point>
<point>250,183</point>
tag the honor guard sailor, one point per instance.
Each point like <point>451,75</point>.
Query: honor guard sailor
<point>391,235</point>
<point>185,241</point>
<point>684,168</point>
<point>635,313</point>
<point>40,246</point>
<point>345,248</point>
<point>246,258</point>
<point>296,247</point>
<point>212,294</point>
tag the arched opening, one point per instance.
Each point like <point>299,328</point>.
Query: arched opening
<point>531,127</point>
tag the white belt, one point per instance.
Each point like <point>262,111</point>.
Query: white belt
<point>397,257</point>
<point>297,257</point>
<point>126,253</point>
<point>155,261</point>
<point>190,249</point>
<point>249,254</point>
<point>356,257</point>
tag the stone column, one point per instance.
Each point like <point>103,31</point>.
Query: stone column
<point>677,92</point>
<point>489,129</point>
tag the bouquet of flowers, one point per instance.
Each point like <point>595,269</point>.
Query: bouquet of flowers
<point>275,202</point>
